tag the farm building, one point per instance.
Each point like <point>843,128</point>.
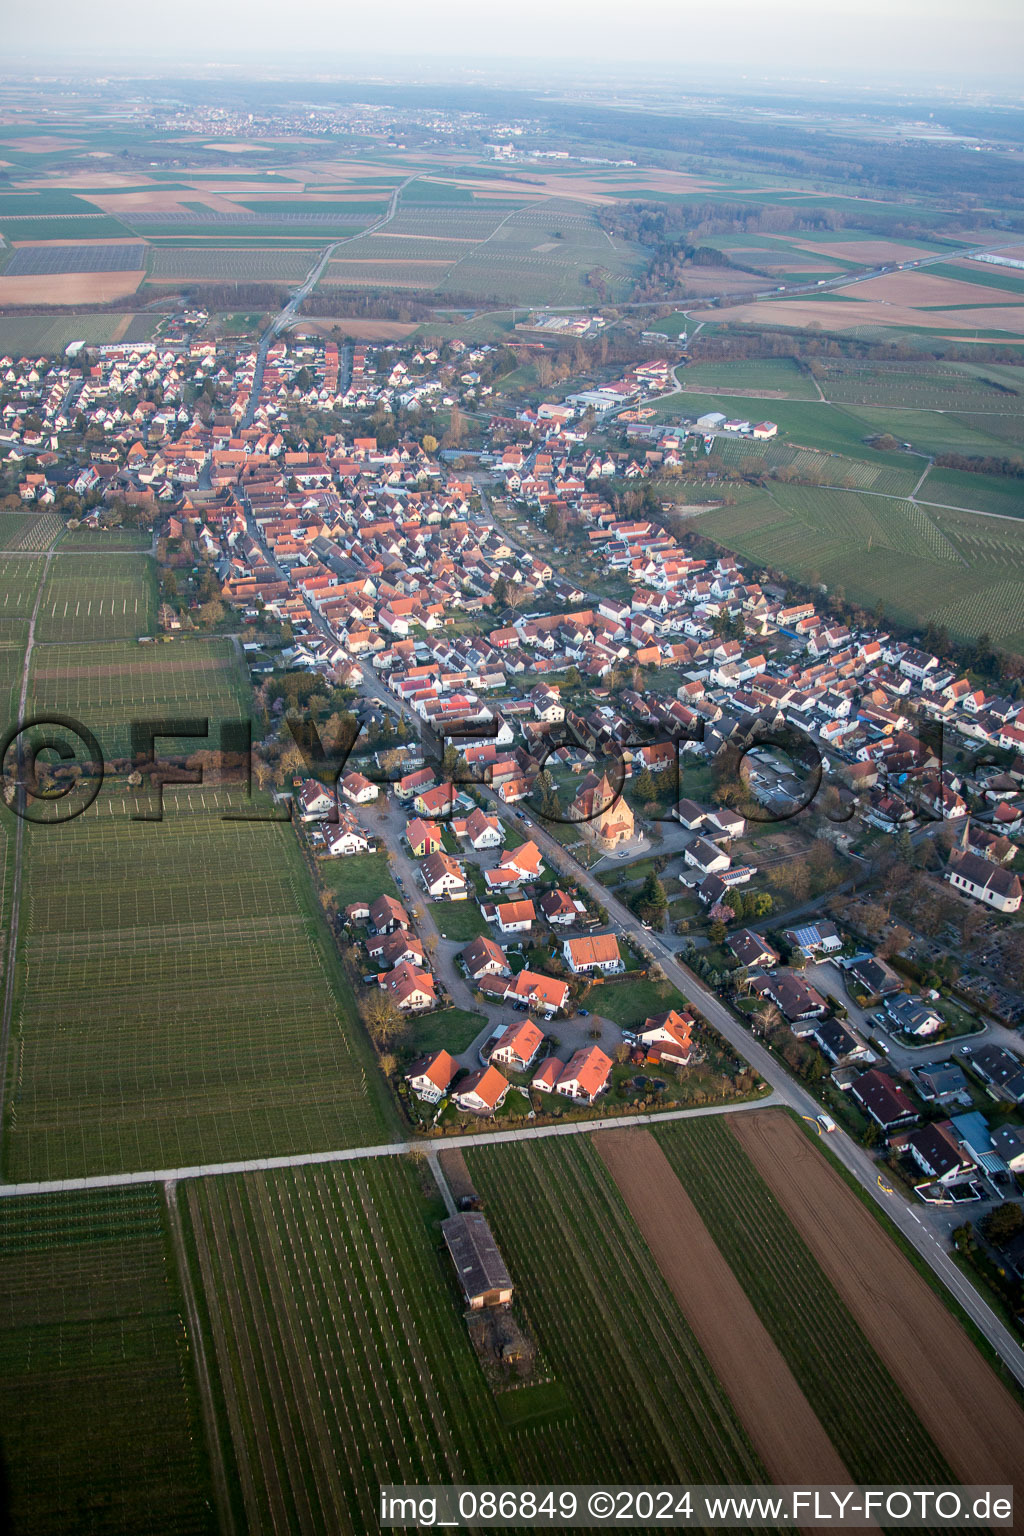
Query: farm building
<point>480,1267</point>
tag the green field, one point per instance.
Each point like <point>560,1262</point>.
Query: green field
<point>19,584</point>
<point>91,540</point>
<point>110,684</point>
<point>923,563</point>
<point>97,597</point>
<point>102,1431</point>
<point>759,376</point>
<point>987,493</point>
<point>179,997</point>
<point>343,1356</point>
<point>831,1359</point>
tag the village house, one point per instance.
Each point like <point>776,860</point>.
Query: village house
<point>482,957</point>
<point>431,1076</point>
<point>884,1100</point>
<point>667,1037</point>
<point>517,1046</point>
<point>386,914</point>
<point>443,878</point>
<point>585,1075</point>
<point>597,952</point>
<point>410,989</point>
<point>482,1092</point>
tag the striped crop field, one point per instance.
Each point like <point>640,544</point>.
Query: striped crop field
<point>97,597</point>
<point>102,1430</point>
<point>180,999</point>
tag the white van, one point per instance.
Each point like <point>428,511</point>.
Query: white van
<point>827,1123</point>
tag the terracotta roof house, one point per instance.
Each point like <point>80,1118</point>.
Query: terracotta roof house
<point>525,860</point>
<point>513,916</point>
<point>547,1075</point>
<point>559,907</point>
<point>667,1037</point>
<point>410,989</point>
<point>387,914</point>
<point>359,789</point>
<point>482,1092</point>
<point>483,957</point>
<point>585,1075</point>
<point>431,1076</point>
<point>517,1046</point>
<point>481,830</point>
<point>598,952</point>
<point>314,800</point>
<point>423,837</point>
<point>390,949</point>
<point>544,993</point>
<point>442,877</point>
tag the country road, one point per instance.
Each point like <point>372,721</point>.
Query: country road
<point>284,318</point>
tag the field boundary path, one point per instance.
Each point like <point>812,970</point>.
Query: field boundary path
<point>355,1154</point>
<point>19,838</point>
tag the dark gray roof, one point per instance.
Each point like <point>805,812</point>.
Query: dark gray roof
<point>475,1254</point>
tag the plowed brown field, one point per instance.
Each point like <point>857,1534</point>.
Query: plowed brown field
<point>970,1415</point>
<point>783,1427</point>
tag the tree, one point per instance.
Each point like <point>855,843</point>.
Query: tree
<point>1000,1225</point>
<point>388,1064</point>
<point>896,941</point>
<point>645,787</point>
<point>430,443</point>
<point>385,1023</point>
<point>652,902</point>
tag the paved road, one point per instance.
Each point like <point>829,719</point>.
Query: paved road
<point>356,1154</point>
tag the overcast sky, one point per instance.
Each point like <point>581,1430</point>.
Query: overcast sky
<point>977,41</point>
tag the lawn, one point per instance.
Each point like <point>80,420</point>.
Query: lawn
<point>360,877</point>
<point>828,1354</point>
<point>987,493</point>
<point>179,999</point>
<point>102,1430</point>
<point>755,376</point>
<point>628,1002</point>
<point>453,1029</point>
<point>459,920</point>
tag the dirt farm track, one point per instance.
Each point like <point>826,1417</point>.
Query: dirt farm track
<point>973,1419</point>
